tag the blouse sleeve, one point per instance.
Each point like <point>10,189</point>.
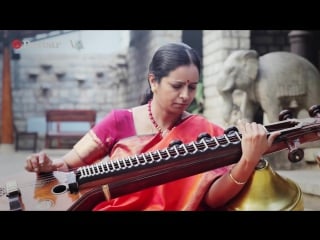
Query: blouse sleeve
<point>99,141</point>
<point>115,126</point>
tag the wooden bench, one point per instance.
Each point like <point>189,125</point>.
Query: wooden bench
<point>64,127</point>
<point>25,140</point>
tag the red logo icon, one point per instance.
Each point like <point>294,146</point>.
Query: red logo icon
<point>16,44</point>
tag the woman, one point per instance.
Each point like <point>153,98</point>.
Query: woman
<point>173,77</point>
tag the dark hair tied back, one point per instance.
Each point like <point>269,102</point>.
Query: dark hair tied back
<point>169,57</point>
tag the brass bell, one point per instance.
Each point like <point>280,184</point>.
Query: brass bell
<point>267,191</point>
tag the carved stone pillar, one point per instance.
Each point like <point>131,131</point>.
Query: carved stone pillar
<point>302,43</point>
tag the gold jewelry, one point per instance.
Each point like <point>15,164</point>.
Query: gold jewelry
<point>68,166</point>
<point>155,124</point>
<point>106,191</point>
<point>234,180</point>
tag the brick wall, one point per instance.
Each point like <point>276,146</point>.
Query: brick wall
<point>62,82</point>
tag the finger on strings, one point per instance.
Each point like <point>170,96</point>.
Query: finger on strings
<point>35,162</point>
<point>273,136</point>
<point>261,129</point>
<point>41,158</point>
<point>241,125</point>
<point>29,164</point>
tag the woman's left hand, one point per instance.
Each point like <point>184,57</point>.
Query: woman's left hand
<point>255,140</point>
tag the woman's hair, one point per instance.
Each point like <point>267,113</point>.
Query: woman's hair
<point>169,57</point>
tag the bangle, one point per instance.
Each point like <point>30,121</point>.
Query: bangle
<point>234,180</point>
<point>64,168</point>
<point>68,166</point>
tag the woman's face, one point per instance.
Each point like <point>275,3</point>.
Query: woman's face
<point>176,91</point>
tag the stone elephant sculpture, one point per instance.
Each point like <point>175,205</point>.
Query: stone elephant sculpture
<point>272,82</point>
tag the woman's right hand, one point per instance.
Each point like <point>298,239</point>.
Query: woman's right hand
<point>40,163</point>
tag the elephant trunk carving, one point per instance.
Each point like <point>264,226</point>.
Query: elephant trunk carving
<point>238,73</point>
<point>228,105</point>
